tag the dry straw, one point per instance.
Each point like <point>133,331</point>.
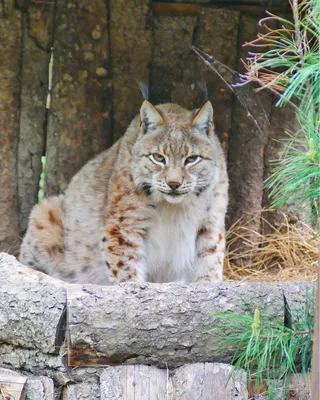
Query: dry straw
<point>288,253</point>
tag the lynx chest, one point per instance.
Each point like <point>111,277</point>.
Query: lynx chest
<point>171,245</point>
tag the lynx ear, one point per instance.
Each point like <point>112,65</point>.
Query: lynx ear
<point>150,118</point>
<point>203,120</point>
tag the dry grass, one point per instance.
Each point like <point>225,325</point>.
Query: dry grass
<point>288,253</point>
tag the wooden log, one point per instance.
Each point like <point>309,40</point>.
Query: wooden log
<point>212,28</point>
<point>315,382</point>
<point>132,382</point>
<point>36,43</point>
<point>170,57</point>
<point>264,3</point>
<point>79,116</point>
<point>85,390</point>
<point>34,361</point>
<point>207,381</point>
<point>174,10</point>
<point>299,296</point>
<point>131,49</point>
<point>158,324</point>
<point>31,307</point>
<point>246,146</point>
<point>216,34</point>
<point>10,60</point>
<point>34,387</point>
<point>282,121</point>
<point>11,387</point>
<point>192,381</point>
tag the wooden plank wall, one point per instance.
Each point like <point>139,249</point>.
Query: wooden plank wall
<point>100,50</point>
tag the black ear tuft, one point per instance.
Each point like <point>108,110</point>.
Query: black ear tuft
<point>144,89</point>
<point>204,90</point>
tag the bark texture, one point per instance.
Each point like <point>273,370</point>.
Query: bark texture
<point>247,144</point>
<point>10,59</point>
<point>79,117</point>
<point>36,42</point>
<point>164,324</point>
<point>207,381</point>
<point>134,382</point>
<point>170,58</point>
<point>199,381</point>
<point>31,307</point>
<point>131,49</point>
<point>33,361</point>
<point>216,34</point>
<point>168,325</point>
<point>29,388</point>
<point>85,390</point>
<point>283,122</point>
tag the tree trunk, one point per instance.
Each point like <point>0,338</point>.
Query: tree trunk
<point>246,146</point>
<point>283,122</point>
<point>131,49</point>
<point>212,27</point>
<point>31,307</point>
<point>79,116</point>
<point>10,60</point>
<point>36,43</point>
<point>170,57</point>
<point>216,34</point>
<point>159,324</point>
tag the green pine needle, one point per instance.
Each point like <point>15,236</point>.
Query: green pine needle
<point>267,350</point>
<point>287,61</point>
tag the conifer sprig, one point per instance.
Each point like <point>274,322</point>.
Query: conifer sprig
<point>267,350</point>
<point>286,61</point>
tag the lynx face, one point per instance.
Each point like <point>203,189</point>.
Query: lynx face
<point>173,159</point>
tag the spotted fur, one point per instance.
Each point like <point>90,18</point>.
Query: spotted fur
<point>126,216</point>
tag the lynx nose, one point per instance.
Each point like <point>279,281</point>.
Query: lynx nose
<point>174,185</point>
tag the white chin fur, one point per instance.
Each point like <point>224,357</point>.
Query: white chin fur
<point>174,199</point>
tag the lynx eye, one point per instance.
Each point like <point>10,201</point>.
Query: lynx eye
<point>157,158</point>
<point>192,160</point>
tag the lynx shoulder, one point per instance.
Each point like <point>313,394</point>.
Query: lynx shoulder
<point>151,208</point>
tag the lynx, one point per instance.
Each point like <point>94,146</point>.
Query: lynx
<point>151,208</point>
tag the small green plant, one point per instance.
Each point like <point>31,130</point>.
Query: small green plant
<point>269,351</point>
<point>287,62</point>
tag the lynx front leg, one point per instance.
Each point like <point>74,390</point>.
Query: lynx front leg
<point>127,217</point>
<point>124,253</point>
<point>210,253</point>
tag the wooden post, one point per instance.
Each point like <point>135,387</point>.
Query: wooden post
<point>131,51</point>
<point>315,383</point>
<point>36,43</point>
<point>246,146</point>
<point>10,60</point>
<point>81,102</point>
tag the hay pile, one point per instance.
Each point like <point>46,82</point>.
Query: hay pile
<point>287,253</point>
